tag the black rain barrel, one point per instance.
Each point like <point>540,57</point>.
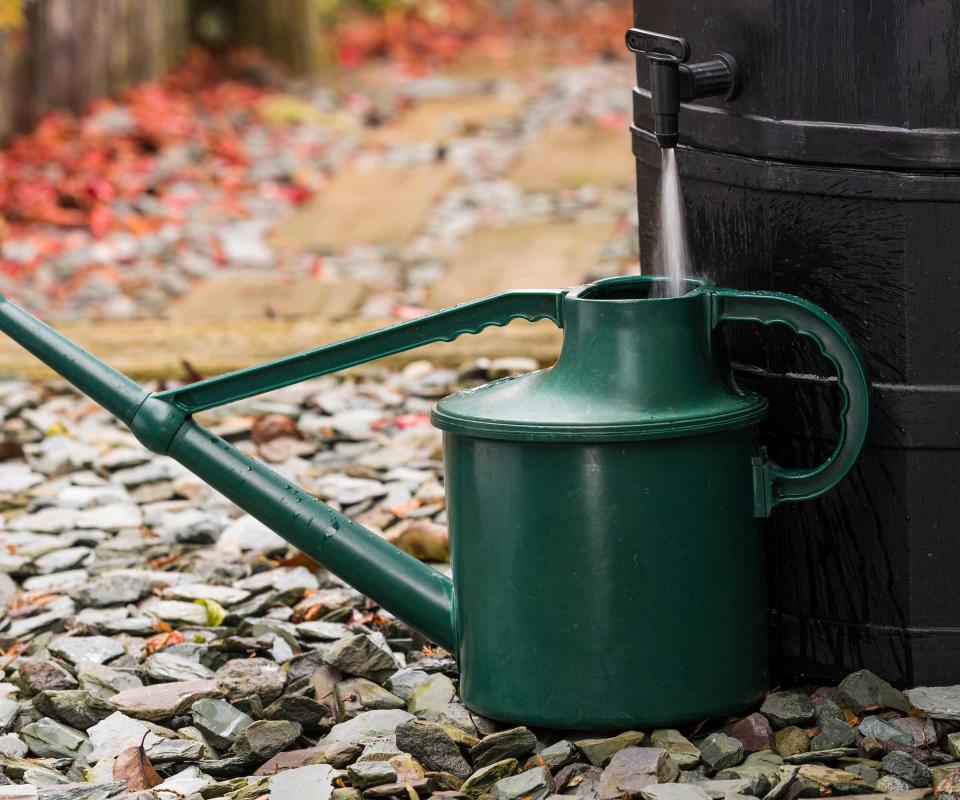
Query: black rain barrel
<point>835,175</point>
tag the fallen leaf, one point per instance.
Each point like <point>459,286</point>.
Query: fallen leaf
<point>216,613</point>
<point>133,766</point>
<point>421,538</point>
<point>284,448</point>
<point>273,426</point>
<point>161,640</point>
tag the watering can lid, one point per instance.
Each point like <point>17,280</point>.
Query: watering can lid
<point>630,368</point>
<point>524,408</point>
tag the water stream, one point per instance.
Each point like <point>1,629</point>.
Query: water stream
<point>672,253</point>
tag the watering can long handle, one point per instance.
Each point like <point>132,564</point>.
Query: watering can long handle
<point>806,319</point>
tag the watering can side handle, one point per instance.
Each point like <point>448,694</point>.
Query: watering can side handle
<point>780,484</point>
<point>441,326</point>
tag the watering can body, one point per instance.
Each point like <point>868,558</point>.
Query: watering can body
<point>606,554</point>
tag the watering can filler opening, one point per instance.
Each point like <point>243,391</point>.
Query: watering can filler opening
<point>603,512</point>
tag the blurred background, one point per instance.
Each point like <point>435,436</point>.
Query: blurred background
<point>190,186</point>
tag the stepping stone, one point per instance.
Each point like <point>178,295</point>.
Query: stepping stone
<point>571,156</point>
<point>229,297</point>
<point>525,256</point>
<point>443,118</point>
<point>382,206</point>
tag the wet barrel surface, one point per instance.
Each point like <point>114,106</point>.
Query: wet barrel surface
<point>835,175</point>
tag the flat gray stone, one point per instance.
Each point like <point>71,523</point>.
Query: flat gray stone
<point>371,773</point>
<point>675,791</point>
<point>633,768</point>
<point>106,681</point>
<point>907,768</point>
<point>263,739</point>
<point>360,694</point>
<point>177,612</point>
<point>719,751</point>
<point>559,754</point>
<point>219,721</point>
<point>359,655</point>
<point>599,751</point>
<point>165,667</point>
<point>883,731</point>
<point>242,677</point>
<point>404,681</point>
<point>175,751</point>
<point>86,649</point>
<point>367,724</point>
<point>112,590</point>
<point>48,738</point>
<point>164,700</point>
<point>788,708</point>
<point>429,698</point>
<point>533,784</point>
<point>482,781</point>
<point>314,781</point>
<point>677,746</point>
<point>433,747</point>
<point>863,691</point>
<point>319,631</point>
<point>40,675</point>
<point>833,733</point>
<point>939,702</point>
<point>305,711</point>
<point>515,743</point>
<point>75,707</point>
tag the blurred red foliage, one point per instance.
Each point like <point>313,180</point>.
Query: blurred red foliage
<point>427,35</point>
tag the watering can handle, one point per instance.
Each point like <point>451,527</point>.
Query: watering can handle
<point>779,484</point>
<point>440,326</point>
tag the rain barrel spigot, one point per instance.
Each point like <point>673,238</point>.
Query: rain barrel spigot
<point>673,81</point>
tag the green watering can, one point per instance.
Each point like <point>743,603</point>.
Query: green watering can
<point>607,562</point>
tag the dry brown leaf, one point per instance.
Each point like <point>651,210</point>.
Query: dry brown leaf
<point>273,426</point>
<point>133,766</point>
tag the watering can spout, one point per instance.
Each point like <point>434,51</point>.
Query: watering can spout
<point>411,590</point>
<point>400,583</point>
<point>111,389</point>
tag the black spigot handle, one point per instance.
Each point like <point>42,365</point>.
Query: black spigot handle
<point>658,46</point>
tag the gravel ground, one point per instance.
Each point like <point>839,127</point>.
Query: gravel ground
<point>159,642</point>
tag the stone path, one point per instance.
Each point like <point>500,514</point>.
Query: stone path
<point>425,191</point>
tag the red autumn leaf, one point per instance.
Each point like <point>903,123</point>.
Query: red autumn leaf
<point>162,640</point>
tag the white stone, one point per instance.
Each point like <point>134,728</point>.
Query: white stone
<point>59,582</point>
<point>64,559</point>
<point>248,533</point>
<point>47,520</point>
<point>176,612</point>
<point>112,517</point>
<point>314,781</point>
<point>116,733</point>
<point>19,791</point>
<point>225,595</point>
<point>17,477</point>
<point>185,783</point>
